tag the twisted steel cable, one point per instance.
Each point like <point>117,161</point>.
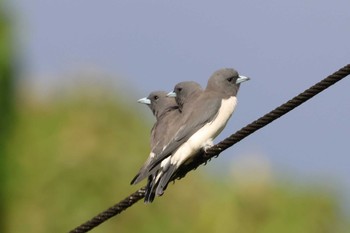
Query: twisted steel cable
<point>221,146</point>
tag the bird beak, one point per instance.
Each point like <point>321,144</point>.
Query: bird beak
<point>144,101</point>
<point>171,94</point>
<point>242,79</point>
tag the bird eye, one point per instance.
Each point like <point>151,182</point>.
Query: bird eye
<point>156,97</point>
<point>179,89</point>
<point>230,79</point>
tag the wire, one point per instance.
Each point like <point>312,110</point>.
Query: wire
<point>221,146</point>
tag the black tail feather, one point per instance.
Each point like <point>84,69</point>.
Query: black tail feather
<point>149,195</point>
<point>164,180</point>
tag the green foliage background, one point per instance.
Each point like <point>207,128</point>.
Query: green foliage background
<point>72,157</point>
<point>6,101</point>
<point>65,159</point>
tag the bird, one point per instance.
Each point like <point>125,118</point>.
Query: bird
<point>166,112</point>
<point>167,116</point>
<point>184,92</point>
<point>207,116</point>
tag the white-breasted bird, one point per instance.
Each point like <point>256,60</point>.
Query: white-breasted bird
<point>206,117</point>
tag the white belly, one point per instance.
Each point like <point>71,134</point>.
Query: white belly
<point>205,136</point>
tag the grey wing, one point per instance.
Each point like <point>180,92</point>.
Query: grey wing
<point>143,172</point>
<point>201,115</point>
<point>159,138</point>
<point>153,139</point>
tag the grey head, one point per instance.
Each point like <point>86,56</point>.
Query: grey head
<point>184,92</point>
<point>159,103</point>
<point>225,81</point>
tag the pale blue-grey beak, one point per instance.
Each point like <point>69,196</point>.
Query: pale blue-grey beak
<point>242,79</point>
<point>171,94</point>
<point>144,101</point>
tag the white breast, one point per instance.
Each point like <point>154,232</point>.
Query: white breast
<point>205,136</point>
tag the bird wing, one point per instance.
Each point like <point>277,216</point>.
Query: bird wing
<point>204,111</point>
<point>160,137</point>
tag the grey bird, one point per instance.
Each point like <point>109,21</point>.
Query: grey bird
<point>209,114</point>
<point>168,118</point>
<point>166,112</point>
<point>184,92</point>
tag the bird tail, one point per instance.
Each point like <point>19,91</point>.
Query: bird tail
<point>164,179</point>
<point>150,194</point>
<point>158,182</point>
<point>143,173</point>
<point>136,179</point>
<point>153,180</point>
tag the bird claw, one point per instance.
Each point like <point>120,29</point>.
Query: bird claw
<point>205,154</point>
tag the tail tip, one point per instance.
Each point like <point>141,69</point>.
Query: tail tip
<point>135,180</point>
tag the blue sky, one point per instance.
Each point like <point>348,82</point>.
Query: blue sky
<point>284,47</point>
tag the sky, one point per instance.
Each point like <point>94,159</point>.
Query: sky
<point>283,46</point>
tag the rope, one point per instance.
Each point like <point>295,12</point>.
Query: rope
<point>110,212</point>
<point>221,146</point>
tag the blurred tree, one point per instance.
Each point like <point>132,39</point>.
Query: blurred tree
<point>6,97</point>
<point>73,157</point>
<point>70,158</point>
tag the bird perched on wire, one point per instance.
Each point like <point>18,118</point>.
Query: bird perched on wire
<point>206,117</point>
<point>185,92</point>
<point>168,115</point>
<point>166,112</point>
